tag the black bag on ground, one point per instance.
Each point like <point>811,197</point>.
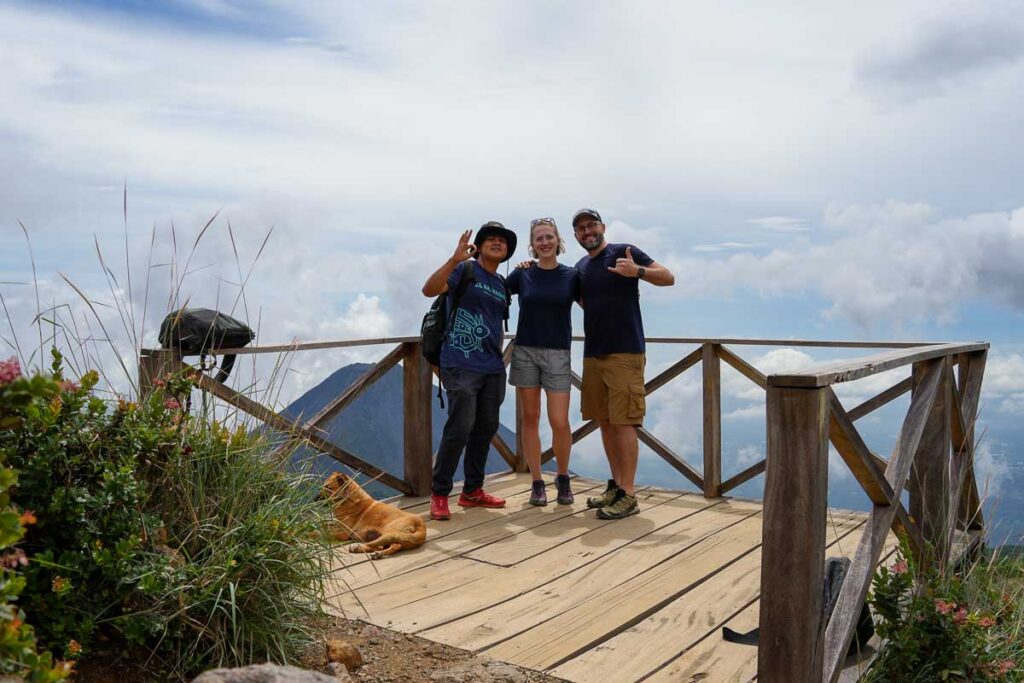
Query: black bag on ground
<point>198,331</point>
<point>835,574</point>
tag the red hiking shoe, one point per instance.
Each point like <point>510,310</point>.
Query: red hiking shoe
<point>439,507</point>
<point>480,499</point>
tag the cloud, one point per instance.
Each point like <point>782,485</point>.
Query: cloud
<point>780,224</point>
<point>723,246</point>
<point>943,54</point>
<point>886,266</point>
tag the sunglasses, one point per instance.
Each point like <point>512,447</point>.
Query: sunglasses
<point>540,221</point>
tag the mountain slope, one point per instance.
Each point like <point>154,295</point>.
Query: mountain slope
<point>371,427</point>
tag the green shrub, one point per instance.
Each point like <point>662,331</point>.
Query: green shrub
<point>164,531</point>
<point>941,626</point>
<point>19,656</point>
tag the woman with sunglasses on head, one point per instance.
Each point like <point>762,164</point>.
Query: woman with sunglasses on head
<point>540,358</point>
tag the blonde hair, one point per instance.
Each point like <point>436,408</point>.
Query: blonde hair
<point>536,224</point>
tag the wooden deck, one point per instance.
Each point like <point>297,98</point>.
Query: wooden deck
<point>555,589</point>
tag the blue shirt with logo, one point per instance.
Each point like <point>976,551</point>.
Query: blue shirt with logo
<point>611,303</point>
<point>475,333</point>
<point>545,305</point>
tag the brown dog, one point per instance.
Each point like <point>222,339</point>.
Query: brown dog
<point>380,528</point>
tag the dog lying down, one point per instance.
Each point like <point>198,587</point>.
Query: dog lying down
<point>379,528</point>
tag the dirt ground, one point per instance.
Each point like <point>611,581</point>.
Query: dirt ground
<point>388,657</point>
<point>393,657</point>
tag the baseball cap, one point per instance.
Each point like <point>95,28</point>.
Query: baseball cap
<point>586,212</point>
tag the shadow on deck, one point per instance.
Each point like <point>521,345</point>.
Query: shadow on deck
<point>555,589</point>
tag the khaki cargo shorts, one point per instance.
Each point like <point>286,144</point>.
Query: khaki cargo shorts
<point>613,388</point>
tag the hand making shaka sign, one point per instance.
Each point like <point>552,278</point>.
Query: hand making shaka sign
<point>626,267</point>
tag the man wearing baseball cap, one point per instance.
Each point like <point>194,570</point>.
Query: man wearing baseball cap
<point>472,368</point>
<point>613,353</point>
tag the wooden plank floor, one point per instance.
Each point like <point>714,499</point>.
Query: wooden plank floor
<point>555,589</point>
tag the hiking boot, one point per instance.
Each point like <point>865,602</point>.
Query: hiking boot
<point>539,495</point>
<point>565,496</point>
<point>480,499</point>
<point>624,506</point>
<point>606,498</point>
<point>439,507</point>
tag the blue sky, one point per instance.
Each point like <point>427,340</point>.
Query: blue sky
<point>824,170</point>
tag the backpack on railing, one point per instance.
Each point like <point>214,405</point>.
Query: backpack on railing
<point>198,331</point>
<point>835,573</point>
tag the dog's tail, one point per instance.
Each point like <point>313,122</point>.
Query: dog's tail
<point>376,550</point>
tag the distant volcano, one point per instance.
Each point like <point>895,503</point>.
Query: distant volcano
<point>371,427</point>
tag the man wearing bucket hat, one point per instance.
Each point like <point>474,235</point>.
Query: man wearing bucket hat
<point>472,368</point>
<point>613,352</point>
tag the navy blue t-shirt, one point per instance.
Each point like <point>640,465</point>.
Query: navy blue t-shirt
<point>611,303</point>
<point>545,305</point>
<point>474,337</point>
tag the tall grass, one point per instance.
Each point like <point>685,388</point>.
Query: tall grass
<point>221,557</point>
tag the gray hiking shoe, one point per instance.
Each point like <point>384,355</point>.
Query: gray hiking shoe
<point>565,496</point>
<point>624,506</point>
<point>539,495</point>
<point>606,498</point>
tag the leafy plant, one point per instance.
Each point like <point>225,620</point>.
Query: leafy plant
<point>19,655</point>
<point>162,530</point>
<point>940,626</point>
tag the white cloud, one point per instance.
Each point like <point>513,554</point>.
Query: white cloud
<point>783,224</point>
<point>890,265</point>
<point>723,246</point>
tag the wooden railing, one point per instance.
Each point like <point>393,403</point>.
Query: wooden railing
<point>933,459</point>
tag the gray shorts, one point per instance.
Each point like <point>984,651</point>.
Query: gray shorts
<point>536,367</point>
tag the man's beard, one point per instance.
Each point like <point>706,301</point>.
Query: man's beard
<point>592,243</point>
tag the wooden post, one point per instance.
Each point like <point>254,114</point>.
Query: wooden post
<point>519,464</point>
<point>929,475</point>
<point>154,364</point>
<point>712,370</point>
<point>417,393</point>
<point>969,377</point>
<point>793,532</point>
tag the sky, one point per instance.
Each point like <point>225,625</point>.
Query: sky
<point>806,169</point>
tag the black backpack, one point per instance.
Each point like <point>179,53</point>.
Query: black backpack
<point>435,323</point>
<point>835,574</point>
<point>197,331</point>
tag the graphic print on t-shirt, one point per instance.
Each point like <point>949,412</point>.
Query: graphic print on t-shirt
<point>468,332</point>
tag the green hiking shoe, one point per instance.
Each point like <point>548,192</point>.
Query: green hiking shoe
<point>624,506</point>
<point>606,498</point>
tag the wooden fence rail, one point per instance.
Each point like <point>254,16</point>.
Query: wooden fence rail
<point>933,459</point>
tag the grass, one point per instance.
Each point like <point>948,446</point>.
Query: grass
<point>247,558</point>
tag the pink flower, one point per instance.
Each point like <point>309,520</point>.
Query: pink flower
<point>13,558</point>
<point>1006,666</point>
<point>960,617</point>
<point>943,607</point>
<point>900,567</point>
<point>10,370</point>
<point>172,404</point>
<point>69,386</point>
<point>986,622</point>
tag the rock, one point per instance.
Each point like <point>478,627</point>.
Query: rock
<point>338,670</point>
<point>264,673</point>
<point>344,652</point>
<point>473,671</point>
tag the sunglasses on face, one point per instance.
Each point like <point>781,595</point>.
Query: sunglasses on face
<point>587,227</point>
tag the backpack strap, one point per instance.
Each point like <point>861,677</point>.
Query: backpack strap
<point>508,300</point>
<point>465,277</point>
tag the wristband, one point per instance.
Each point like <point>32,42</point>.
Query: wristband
<point>640,272</point>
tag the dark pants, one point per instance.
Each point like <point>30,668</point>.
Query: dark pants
<point>474,399</point>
